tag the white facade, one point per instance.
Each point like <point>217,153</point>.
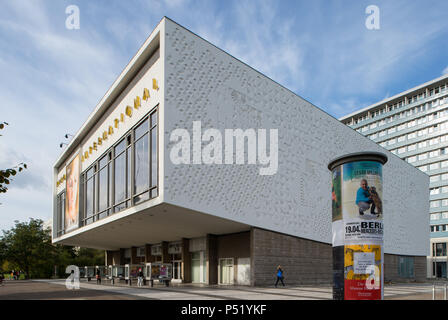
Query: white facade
<point>199,82</point>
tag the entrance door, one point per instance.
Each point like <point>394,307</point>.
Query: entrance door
<point>198,269</point>
<point>177,269</point>
<point>226,271</point>
<point>441,269</point>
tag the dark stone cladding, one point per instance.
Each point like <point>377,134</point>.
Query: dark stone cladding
<point>307,262</point>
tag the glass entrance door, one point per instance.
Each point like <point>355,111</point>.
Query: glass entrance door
<point>177,270</point>
<point>198,270</point>
<point>226,271</point>
<point>441,269</point>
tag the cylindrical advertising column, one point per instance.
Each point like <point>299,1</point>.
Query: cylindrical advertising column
<point>357,226</point>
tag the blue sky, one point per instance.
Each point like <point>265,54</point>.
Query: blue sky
<point>51,78</point>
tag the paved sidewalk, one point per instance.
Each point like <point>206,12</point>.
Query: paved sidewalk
<point>55,289</point>
<point>200,292</point>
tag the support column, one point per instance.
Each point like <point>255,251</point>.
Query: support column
<point>212,258</point>
<point>186,261</point>
<point>165,256</point>
<point>148,257</point>
<point>133,255</point>
<point>109,257</point>
<point>122,258</point>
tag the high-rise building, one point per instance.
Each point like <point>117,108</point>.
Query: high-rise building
<point>414,126</point>
<point>196,159</point>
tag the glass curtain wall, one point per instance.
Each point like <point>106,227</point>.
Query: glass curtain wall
<point>126,175</point>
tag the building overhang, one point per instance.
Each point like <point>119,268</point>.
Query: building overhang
<point>163,222</point>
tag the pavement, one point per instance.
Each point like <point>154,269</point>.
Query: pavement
<point>56,290</point>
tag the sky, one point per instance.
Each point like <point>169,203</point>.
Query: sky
<point>52,77</point>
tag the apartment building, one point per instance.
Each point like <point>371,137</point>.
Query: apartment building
<point>413,125</point>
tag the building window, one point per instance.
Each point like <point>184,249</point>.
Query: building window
<point>439,249</point>
<point>434,191</point>
<point>145,177</point>
<point>127,174</point>
<point>60,213</point>
<point>434,216</point>
<point>422,144</point>
<point>89,185</point>
<point>104,185</point>
<point>434,204</point>
<point>412,159</point>
<point>422,156</point>
<point>122,175</point>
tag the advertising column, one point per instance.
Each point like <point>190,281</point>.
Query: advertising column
<point>357,226</point>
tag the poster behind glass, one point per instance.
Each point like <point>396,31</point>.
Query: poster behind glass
<point>72,198</point>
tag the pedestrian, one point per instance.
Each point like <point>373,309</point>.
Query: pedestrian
<point>1,278</point>
<point>17,275</point>
<point>140,278</point>
<point>98,276</point>
<point>279,276</point>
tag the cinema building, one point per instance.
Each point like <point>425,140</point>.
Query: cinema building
<point>125,185</point>
<point>413,125</point>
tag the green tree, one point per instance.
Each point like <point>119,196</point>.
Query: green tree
<point>29,248</point>
<point>6,174</point>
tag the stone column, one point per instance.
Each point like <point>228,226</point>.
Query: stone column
<point>186,261</point>
<point>212,258</point>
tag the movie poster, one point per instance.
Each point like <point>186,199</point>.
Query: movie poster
<point>72,197</point>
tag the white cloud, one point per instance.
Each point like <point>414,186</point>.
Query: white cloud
<point>445,71</point>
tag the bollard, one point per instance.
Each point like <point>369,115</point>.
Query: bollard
<point>446,291</point>
<point>434,291</point>
<point>357,226</point>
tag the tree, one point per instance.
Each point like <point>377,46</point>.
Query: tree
<point>29,248</point>
<point>5,174</point>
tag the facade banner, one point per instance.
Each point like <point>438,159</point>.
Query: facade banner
<point>357,226</point>
<point>72,198</point>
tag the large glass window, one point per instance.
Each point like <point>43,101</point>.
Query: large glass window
<point>104,193</point>
<point>122,174</point>
<point>89,195</point>
<point>439,249</point>
<point>60,213</point>
<point>125,175</point>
